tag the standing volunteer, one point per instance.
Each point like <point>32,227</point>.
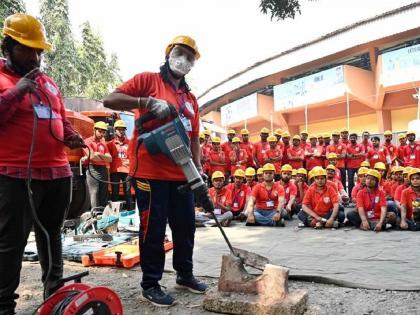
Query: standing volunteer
<point>42,170</point>
<point>157,178</point>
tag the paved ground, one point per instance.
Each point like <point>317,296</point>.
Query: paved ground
<point>323,299</point>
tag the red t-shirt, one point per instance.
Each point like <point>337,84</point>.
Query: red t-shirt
<point>394,188</point>
<point>412,154</point>
<point>321,202</point>
<point>17,119</point>
<point>259,151</point>
<point>222,197</point>
<point>386,186</point>
<point>355,149</point>
<point>367,145</point>
<point>316,158</point>
<point>248,147</point>
<point>398,192</point>
<point>338,149</point>
<point>371,202</point>
<point>358,187</point>
<point>407,197</point>
<point>218,157</point>
<point>285,159</point>
<point>205,154</point>
<point>235,157</point>
<point>375,155</point>
<point>290,189</point>
<point>401,154</point>
<point>151,84</point>
<point>239,196</point>
<point>392,150</point>
<point>274,153</point>
<point>227,148</point>
<point>118,151</point>
<point>299,197</point>
<point>296,152</point>
<point>267,199</point>
<point>95,146</point>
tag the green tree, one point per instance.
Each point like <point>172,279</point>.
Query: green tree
<point>8,7</point>
<point>280,9</point>
<point>99,74</point>
<point>61,62</point>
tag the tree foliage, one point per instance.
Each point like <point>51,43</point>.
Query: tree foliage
<point>8,7</point>
<point>280,9</point>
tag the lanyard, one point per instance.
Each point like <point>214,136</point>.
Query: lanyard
<point>372,201</point>
<point>269,192</point>
<point>236,194</point>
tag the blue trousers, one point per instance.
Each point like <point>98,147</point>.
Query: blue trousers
<point>265,217</point>
<point>160,202</point>
<point>306,219</point>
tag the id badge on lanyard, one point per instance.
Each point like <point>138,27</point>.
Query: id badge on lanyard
<point>184,119</point>
<point>43,111</point>
<point>373,202</point>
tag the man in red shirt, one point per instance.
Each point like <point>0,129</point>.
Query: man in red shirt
<point>296,154</point>
<point>286,146</point>
<point>392,149</point>
<point>260,148</point>
<point>98,158</point>
<point>355,155</point>
<point>278,133</point>
<point>290,191</point>
<point>268,199</point>
<point>118,148</point>
<point>157,177</point>
<point>371,205</point>
<point>302,187</point>
<point>217,159</point>
<point>366,143</point>
<point>410,203</point>
<point>332,160</point>
<point>221,197</point>
<point>205,152</point>
<point>398,179</point>
<point>344,133</point>
<point>339,149</point>
<point>240,193</point>
<point>377,153</point>
<point>400,188</point>
<point>260,175</point>
<point>274,155</point>
<point>401,149</point>
<point>361,183</point>
<point>412,150</point>
<point>343,197</point>
<point>238,157</point>
<point>30,99</point>
<point>313,153</point>
<point>247,146</point>
<point>227,147</point>
<point>303,138</point>
<point>250,177</point>
<point>320,204</point>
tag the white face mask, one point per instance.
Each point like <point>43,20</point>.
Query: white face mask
<point>178,63</point>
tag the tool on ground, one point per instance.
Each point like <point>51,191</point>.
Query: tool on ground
<point>171,140</point>
<point>80,299</point>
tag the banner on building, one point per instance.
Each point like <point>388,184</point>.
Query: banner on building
<point>239,110</point>
<point>318,87</point>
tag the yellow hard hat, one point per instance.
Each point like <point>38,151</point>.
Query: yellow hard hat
<point>294,172</point>
<point>365,164</point>
<point>310,174</point>
<point>202,136</point>
<point>272,139</point>
<point>244,132</point>
<point>120,124</point>
<point>268,167</point>
<point>379,166</point>
<point>217,174</point>
<point>326,135</point>
<point>278,132</point>
<point>335,133</point>
<point>302,171</point>
<point>260,171</point>
<point>410,132</point>
<point>312,136</point>
<point>343,130</point>
<point>236,140</point>
<point>331,155</point>
<point>296,137</point>
<point>265,130</point>
<point>407,170</point>
<point>286,168</point>
<point>402,136</point>
<point>388,133</point>
<point>101,125</point>
<point>398,169</point>
<point>374,173</point>
<point>206,132</point>
<point>413,171</point>
<point>239,173</point>
<point>26,30</point>
<point>215,140</point>
<point>285,135</point>
<point>250,171</point>
<point>318,171</point>
<point>304,132</point>
<point>231,132</point>
<point>362,171</point>
<point>331,167</point>
<point>183,40</point>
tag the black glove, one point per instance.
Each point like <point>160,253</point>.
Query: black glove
<point>74,141</point>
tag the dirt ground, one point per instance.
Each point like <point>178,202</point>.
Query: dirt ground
<point>323,299</point>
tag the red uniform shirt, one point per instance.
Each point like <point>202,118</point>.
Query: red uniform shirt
<point>371,202</point>
<point>218,157</point>
<point>227,148</point>
<point>392,150</point>
<point>296,152</point>
<point>248,147</point>
<point>386,185</point>
<point>274,153</point>
<point>290,190</point>
<point>321,202</point>
<point>338,184</point>
<point>412,154</point>
<point>267,199</point>
<point>366,145</point>
<point>252,185</point>
<point>398,192</point>
<point>235,157</point>
<point>338,149</point>
<point>95,146</point>
<point>299,197</point>
<point>118,151</point>
<point>394,188</point>
<point>17,119</point>
<point>408,196</point>
<point>239,196</point>
<point>285,159</point>
<point>259,151</point>
<point>151,84</point>
<point>355,149</point>
<point>375,155</point>
<point>205,155</point>
<point>401,154</point>
<point>222,197</point>
<point>316,158</point>
<point>358,187</point>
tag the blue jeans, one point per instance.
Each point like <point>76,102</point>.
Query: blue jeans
<point>265,217</point>
<point>413,226</point>
<point>306,219</point>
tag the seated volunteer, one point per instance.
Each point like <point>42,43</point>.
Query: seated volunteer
<point>371,213</point>
<point>410,203</point>
<point>155,177</point>
<point>290,191</point>
<point>26,93</point>
<point>260,175</point>
<point>238,157</point>
<point>302,188</point>
<point>266,201</point>
<point>331,171</point>
<point>240,193</point>
<point>250,177</point>
<point>320,204</point>
<point>361,183</point>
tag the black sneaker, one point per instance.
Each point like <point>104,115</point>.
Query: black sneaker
<point>192,284</point>
<point>157,297</point>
